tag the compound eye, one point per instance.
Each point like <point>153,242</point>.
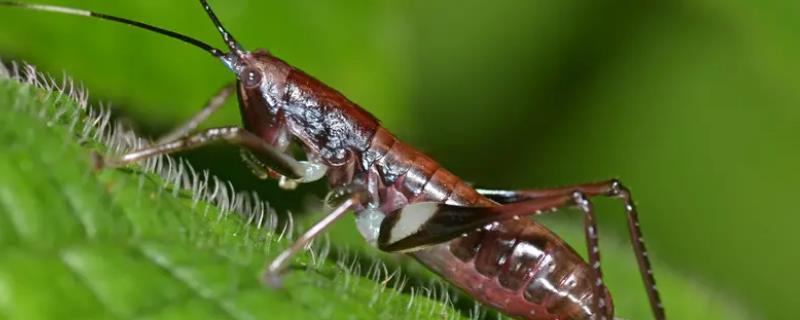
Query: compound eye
<point>251,77</point>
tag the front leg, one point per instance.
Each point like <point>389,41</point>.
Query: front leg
<point>213,105</point>
<point>274,158</point>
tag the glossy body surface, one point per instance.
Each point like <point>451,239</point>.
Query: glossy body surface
<point>516,266</point>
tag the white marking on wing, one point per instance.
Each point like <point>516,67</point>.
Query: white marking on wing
<point>412,217</point>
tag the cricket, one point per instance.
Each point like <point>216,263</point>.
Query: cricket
<point>482,241</point>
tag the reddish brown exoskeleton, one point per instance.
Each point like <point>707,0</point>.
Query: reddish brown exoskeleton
<point>481,241</point>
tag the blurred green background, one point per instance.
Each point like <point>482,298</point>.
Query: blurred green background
<point>693,104</point>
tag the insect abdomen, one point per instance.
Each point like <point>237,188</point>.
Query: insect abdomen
<point>518,267</point>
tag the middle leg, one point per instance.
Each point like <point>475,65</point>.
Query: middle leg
<point>351,196</point>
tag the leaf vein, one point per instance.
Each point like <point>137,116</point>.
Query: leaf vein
<point>83,280</point>
<point>194,288</point>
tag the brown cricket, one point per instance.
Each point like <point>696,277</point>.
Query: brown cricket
<point>482,241</point>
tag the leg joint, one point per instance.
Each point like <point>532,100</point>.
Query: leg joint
<point>581,200</point>
<point>619,190</point>
<point>338,195</point>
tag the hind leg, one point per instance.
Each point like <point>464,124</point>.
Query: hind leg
<point>609,188</point>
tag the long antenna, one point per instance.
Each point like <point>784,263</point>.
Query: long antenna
<point>79,12</point>
<point>232,44</point>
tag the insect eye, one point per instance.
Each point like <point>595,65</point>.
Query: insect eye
<point>251,77</point>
